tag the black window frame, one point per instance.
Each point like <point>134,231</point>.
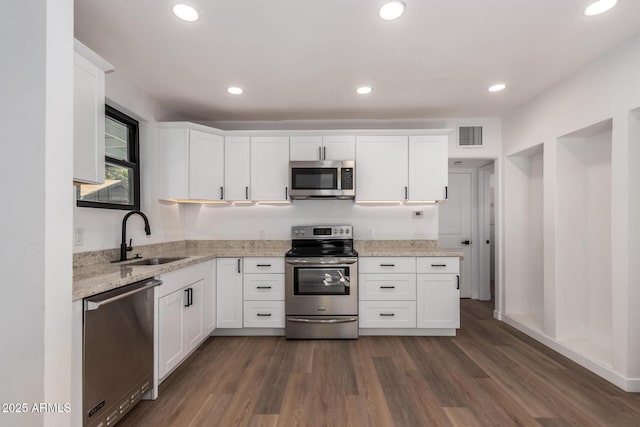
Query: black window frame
<point>133,163</point>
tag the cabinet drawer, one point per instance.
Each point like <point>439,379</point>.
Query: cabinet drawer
<point>264,314</point>
<point>387,314</point>
<point>264,265</point>
<point>264,287</point>
<point>387,287</point>
<point>387,265</point>
<point>438,265</point>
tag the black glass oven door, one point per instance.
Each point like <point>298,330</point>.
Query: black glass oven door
<point>321,281</point>
<point>314,178</point>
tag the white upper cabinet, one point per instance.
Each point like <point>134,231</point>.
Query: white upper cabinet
<point>88,115</point>
<point>237,172</point>
<point>428,167</point>
<point>341,147</point>
<point>269,168</point>
<point>382,168</point>
<point>191,164</point>
<point>306,148</point>
<point>206,166</point>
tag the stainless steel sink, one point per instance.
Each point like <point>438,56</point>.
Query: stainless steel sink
<point>157,261</point>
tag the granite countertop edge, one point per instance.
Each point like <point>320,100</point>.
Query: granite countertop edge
<point>94,279</point>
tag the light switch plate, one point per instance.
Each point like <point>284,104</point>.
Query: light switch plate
<point>78,236</point>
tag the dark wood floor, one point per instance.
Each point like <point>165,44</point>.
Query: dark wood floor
<point>488,375</point>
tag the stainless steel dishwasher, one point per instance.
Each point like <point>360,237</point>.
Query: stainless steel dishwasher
<point>117,352</point>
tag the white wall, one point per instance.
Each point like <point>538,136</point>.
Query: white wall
<point>607,88</point>
<point>35,257</point>
<point>275,221</point>
<point>102,227</point>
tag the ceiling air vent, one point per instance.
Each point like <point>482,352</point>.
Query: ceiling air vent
<point>470,136</point>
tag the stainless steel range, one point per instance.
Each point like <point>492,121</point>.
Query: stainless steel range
<point>321,283</point>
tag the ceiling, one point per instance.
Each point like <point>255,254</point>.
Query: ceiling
<point>303,59</point>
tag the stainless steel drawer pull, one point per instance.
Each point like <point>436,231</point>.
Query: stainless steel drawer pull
<point>263,265</point>
<point>387,314</point>
<point>438,265</point>
<point>387,265</point>
<point>263,287</point>
<point>264,314</point>
<point>387,287</point>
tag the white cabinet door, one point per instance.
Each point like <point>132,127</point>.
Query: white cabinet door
<point>305,148</point>
<point>206,166</point>
<point>88,121</point>
<point>438,302</point>
<point>382,168</point>
<point>229,291</point>
<point>387,314</point>
<point>237,168</point>
<point>193,315</point>
<point>339,147</point>
<point>269,168</point>
<point>170,332</point>
<point>209,299</point>
<point>428,167</point>
<point>173,163</point>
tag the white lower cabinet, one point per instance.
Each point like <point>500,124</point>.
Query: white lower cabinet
<point>438,301</point>
<point>418,293</point>
<point>182,309</point>
<point>229,292</point>
<point>263,292</point>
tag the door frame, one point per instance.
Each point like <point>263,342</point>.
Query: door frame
<point>484,231</point>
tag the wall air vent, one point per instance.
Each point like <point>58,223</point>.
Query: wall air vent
<point>470,136</point>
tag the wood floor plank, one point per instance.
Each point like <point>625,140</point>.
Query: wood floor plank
<point>462,417</point>
<point>263,420</point>
<point>370,402</point>
<point>276,377</point>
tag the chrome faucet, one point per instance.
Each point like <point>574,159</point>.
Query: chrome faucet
<point>124,248</point>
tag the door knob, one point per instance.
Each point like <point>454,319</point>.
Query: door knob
<point>466,242</point>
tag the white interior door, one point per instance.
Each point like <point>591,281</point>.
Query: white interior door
<point>455,225</point>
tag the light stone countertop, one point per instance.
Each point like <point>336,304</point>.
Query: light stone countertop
<point>91,279</point>
<point>93,272</point>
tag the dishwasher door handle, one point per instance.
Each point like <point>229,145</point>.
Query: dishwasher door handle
<point>94,305</point>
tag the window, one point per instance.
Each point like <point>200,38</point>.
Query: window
<point>121,187</point>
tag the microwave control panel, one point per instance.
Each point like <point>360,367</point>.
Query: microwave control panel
<point>346,178</point>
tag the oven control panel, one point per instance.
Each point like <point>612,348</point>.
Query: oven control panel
<point>320,232</point>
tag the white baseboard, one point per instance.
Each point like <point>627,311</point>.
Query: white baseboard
<point>248,332</point>
<point>597,367</point>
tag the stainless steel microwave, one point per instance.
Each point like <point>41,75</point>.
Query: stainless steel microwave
<point>322,179</point>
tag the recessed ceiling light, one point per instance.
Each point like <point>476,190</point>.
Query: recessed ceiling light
<point>392,10</point>
<point>364,90</point>
<point>234,90</point>
<point>186,12</point>
<point>497,87</point>
<point>601,6</point>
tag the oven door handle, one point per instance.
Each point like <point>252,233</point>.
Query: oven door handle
<point>300,320</point>
<point>324,261</point>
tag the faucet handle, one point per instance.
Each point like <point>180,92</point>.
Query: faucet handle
<point>130,248</point>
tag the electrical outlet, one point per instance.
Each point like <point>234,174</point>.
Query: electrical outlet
<point>370,232</point>
<point>261,233</point>
<point>418,214</point>
<point>78,236</point>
